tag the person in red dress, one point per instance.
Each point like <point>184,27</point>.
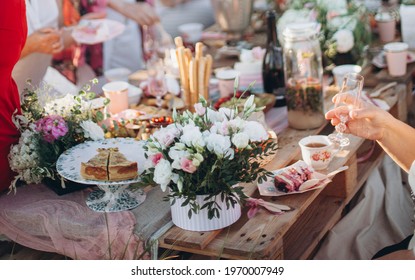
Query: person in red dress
<point>13,32</point>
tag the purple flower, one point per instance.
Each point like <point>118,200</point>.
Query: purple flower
<point>52,127</point>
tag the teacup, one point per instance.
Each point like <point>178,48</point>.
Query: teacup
<point>226,78</point>
<point>317,151</point>
<point>117,93</point>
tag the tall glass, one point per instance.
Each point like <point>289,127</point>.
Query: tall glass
<point>157,82</point>
<point>352,84</point>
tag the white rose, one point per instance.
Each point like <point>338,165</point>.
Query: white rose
<point>218,144</point>
<point>192,136</point>
<point>344,39</point>
<point>226,113</point>
<point>240,140</point>
<point>221,128</point>
<point>165,136</point>
<point>255,131</point>
<point>92,130</point>
<point>213,116</point>
<point>162,174</point>
<point>176,154</point>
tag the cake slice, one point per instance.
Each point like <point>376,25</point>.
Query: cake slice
<point>97,167</point>
<point>119,168</point>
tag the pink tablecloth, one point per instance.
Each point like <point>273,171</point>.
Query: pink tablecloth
<point>38,218</point>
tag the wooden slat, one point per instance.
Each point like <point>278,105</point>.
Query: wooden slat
<point>183,238</point>
<point>309,229</point>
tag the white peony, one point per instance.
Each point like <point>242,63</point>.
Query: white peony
<point>92,130</point>
<point>163,174</point>
<point>255,131</point>
<point>344,39</point>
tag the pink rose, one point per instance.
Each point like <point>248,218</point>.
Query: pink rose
<point>187,165</point>
<point>156,158</point>
<point>316,156</point>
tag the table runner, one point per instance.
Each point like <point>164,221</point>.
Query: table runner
<point>38,218</point>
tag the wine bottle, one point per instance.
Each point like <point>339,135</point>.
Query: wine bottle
<point>273,64</point>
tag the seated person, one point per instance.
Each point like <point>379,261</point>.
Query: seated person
<point>43,41</point>
<point>126,49</point>
<point>393,136</point>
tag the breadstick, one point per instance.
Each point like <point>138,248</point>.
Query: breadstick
<point>201,78</point>
<point>198,50</point>
<point>208,73</point>
<point>188,53</point>
<point>192,80</point>
<point>178,41</point>
<point>188,57</point>
<point>184,74</point>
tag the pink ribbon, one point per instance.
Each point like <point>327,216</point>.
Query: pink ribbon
<point>254,205</point>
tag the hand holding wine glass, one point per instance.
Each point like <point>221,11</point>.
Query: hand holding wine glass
<point>352,84</point>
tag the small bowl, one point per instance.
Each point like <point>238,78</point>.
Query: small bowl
<point>191,32</point>
<point>117,74</point>
<point>134,95</point>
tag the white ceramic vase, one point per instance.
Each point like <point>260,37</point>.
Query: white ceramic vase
<point>200,221</point>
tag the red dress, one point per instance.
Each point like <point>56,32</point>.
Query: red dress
<point>13,33</point>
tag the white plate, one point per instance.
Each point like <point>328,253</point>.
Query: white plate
<point>268,188</point>
<point>69,162</point>
<point>106,29</point>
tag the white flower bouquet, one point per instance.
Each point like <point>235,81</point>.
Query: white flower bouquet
<point>208,152</point>
<point>48,127</point>
<point>344,27</point>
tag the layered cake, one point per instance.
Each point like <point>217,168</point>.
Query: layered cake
<point>109,165</point>
<point>292,178</point>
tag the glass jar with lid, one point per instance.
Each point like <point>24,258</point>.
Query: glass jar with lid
<point>303,76</point>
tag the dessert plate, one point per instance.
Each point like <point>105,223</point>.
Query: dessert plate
<point>316,180</point>
<point>112,196</point>
<point>96,31</point>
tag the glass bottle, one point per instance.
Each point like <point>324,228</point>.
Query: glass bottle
<point>273,65</point>
<point>303,76</point>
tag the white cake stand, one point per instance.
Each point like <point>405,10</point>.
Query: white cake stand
<point>110,196</point>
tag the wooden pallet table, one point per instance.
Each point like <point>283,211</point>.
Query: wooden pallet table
<point>296,234</point>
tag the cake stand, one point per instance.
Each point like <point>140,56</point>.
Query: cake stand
<point>111,196</point>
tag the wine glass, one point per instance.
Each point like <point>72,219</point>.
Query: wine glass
<point>157,84</point>
<point>352,84</point>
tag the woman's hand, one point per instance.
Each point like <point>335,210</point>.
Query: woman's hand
<point>368,121</point>
<point>45,40</point>
<point>140,12</point>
